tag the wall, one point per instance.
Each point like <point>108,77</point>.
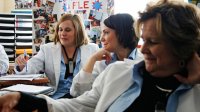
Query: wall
<point>2,6</point>
<point>10,5</point>
<point>6,6</point>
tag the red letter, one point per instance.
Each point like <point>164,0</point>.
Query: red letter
<point>85,4</point>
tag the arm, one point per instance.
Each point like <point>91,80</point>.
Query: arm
<point>22,102</point>
<point>193,71</point>
<point>84,103</point>
<point>35,64</point>
<point>99,98</point>
<point>102,54</point>
<point>83,80</point>
<point>4,61</point>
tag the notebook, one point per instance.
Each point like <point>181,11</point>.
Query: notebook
<point>30,89</point>
<point>29,77</point>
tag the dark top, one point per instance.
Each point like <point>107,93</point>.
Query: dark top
<point>154,93</point>
<point>29,103</point>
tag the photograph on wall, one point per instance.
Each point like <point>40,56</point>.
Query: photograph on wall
<point>37,42</point>
<point>23,4</point>
<point>87,26</point>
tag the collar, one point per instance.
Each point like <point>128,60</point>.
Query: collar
<point>132,56</point>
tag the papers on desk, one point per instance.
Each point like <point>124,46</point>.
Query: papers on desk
<point>21,77</point>
<point>30,89</point>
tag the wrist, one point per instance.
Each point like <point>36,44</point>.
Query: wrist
<point>94,58</point>
<point>17,95</point>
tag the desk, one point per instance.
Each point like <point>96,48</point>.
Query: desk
<point>38,81</point>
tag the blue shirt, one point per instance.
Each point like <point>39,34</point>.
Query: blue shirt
<point>64,85</point>
<point>129,96</point>
<point>132,56</point>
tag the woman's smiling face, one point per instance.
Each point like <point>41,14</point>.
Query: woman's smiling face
<point>66,33</point>
<point>158,57</point>
<point>109,39</point>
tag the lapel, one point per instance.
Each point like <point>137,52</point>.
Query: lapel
<point>120,83</point>
<point>56,53</point>
<point>83,54</point>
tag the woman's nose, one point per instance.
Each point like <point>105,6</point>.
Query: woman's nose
<point>102,38</point>
<point>63,32</point>
<point>144,48</point>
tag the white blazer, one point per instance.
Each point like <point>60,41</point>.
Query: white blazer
<point>48,59</point>
<point>4,61</point>
<point>108,86</point>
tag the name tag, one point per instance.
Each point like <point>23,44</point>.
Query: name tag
<point>71,66</point>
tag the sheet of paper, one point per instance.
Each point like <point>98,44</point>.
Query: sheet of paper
<point>29,77</point>
<point>31,89</point>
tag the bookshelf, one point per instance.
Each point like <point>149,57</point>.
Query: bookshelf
<point>16,33</point>
<point>23,31</point>
<point>7,34</point>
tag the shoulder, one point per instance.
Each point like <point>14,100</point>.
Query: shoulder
<point>1,47</point>
<point>121,66</point>
<point>50,45</point>
<point>190,100</point>
<point>89,46</point>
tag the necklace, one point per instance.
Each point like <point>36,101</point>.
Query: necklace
<point>70,67</point>
<point>164,90</point>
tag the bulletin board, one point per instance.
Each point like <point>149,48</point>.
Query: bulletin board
<point>46,13</point>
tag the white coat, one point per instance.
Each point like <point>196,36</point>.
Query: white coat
<point>48,59</point>
<point>4,61</point>
<point>108,86</point>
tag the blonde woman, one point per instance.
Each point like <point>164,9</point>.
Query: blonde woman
<point>62,59</point>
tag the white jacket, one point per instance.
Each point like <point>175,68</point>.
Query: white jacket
<point>108,86</point>
<point>4,61</point>
<point>48,59</point>
<point>83,80</point>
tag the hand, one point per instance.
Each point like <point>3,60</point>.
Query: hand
<point>21,61</point>
<point>193,71</point>
<point>102,54</point>
<point>9,101</point>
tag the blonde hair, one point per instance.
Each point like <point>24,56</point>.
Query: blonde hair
<point>178,23</point>
<point>81,37</point>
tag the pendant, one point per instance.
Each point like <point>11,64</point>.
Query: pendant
<point>164,90</point>
<point>71,66</point>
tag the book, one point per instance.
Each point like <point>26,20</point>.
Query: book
<point>30,89</point>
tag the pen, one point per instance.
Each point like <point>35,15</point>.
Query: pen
<point>25,57</point>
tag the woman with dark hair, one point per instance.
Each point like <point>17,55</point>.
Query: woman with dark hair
<point>119,42</point>
<point>62,59</point>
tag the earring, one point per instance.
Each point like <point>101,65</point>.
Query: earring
<point>182,64</point>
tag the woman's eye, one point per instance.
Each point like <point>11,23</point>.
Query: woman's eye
<point>67,30</point>
<point>105,32</point>
<point>153,41</point>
